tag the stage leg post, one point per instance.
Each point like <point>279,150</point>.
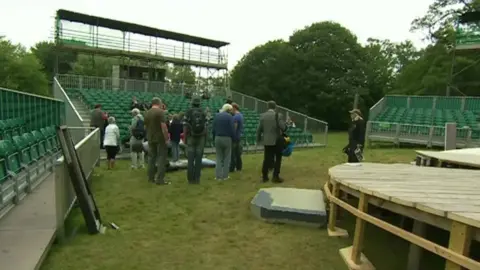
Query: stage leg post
<point>353,256</point>
<point>460,240</point>
<point>415,252</point>
<point>332,219</point>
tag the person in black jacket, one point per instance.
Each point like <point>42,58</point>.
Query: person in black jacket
<point>175,129</point>
<point>356,137</point>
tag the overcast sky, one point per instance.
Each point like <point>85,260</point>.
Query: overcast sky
<point>245,24</point>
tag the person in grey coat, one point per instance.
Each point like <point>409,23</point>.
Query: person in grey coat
<point>269,132</point>
<point>223,134</point>
<point>137,136</point>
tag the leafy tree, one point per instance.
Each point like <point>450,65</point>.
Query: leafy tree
<point>179,74</point>
<point>47,54</point>
<point>21,70</point>
<point>94,65</point>
<point>316,72</point>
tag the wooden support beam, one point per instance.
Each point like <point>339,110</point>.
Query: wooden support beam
<point>359,230</point>
<point>415,252</point>
<point>460,239</point>
<point>332,218</point>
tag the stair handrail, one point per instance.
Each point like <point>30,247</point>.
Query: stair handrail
<point>65,97</point>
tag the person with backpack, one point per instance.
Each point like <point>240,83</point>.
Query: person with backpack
<point>195,132</point>
<point>137,132</point>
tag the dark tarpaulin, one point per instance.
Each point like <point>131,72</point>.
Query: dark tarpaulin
<point>135,28</point>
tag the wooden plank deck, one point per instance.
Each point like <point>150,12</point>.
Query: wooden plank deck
<point>456,157</point>
<point>444,197</point>
<point>453,193</point>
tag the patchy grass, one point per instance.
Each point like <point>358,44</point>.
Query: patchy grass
<point>210,226</point>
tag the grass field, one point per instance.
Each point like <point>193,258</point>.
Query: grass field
<point>210,226</point>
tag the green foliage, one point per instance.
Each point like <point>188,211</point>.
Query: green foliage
<point>21,70</point>
<point>317,72</point>
<point>94,65</point>
<point>178,74</point>
<point>47,54</point>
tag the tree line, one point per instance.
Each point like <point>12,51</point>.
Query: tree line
<point>318,70</point>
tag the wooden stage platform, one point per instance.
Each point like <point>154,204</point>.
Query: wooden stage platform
<point>442,197</point>
<point>461,158</point>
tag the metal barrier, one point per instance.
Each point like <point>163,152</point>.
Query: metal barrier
<point>32,111</point>
<point>429,136</point>
<point>69,81</point>
<point>72,117</point>
<point>88,151</point>
<point>317,127</point>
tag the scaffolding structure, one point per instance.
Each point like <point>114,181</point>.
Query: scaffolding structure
<point>94,35</point>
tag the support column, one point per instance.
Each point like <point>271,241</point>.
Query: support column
<point>332,218</point>
<point>415,252</point>
<point>353,256</point>
<point>450,136</point>
<point>460,239</point>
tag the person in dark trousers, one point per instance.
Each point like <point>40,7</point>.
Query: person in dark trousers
<point>175,129</point>
<point>236,162</point>
<point>223,134</point>
<point>157,137</point>
<point>97,120</point>
<point>270,129</point>
<point>356,137</point>
<point>195,132</point>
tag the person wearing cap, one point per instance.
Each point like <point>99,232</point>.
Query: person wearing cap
<point>356,137</point>
<point>223,132</point>
<point>137,136</point>
<point>270,129</point>
<point>194,134</point>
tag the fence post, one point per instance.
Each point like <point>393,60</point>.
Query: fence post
<point>468,140</point>
<point>80,82</point>
<point>305,122</point>
<point>397,133</point>
<point>146,86</point>
<point>243,101</point>
<point>326,135</point>
<point>462,105</point>
<point>125,83</point>
<point>430,137</point>
<point>409,100</point>
<point>434,103</point>
<point>368,129</point>
<point>450,136</point>
<point>256,105</point>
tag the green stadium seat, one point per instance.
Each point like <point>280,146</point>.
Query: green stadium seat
<point>23,149</point>
<point>31,143</point>
<point>11,156</point>
<point>40,141</point>
<point>3,161</point>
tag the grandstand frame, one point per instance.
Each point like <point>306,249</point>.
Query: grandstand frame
<point>210,55</point>
<point>431,132</point>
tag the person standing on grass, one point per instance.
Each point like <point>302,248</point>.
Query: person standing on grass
<point>356,137</point>
<point>194,134</point>
<point>97,120</point>
<point>157,136</point>
<point>236,160</point>
<point>175,129</point>
<point>223,134</point>
<point>111,142</point>
<point>137,135</point>
<point>270,129</point>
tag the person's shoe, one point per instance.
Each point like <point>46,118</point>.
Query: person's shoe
<point>133,168</point>
<point>164,183</point>
<point>277,180</point>
<point>265,179</point>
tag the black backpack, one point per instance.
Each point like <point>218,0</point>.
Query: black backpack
<point>139,131</point>
<point>198,122</point>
